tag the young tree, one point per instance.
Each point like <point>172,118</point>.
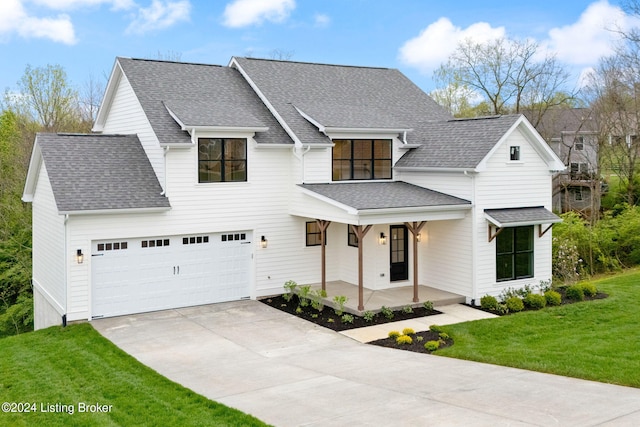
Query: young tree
<point>507,74</point>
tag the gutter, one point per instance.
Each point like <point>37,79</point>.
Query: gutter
<point>66,274</point>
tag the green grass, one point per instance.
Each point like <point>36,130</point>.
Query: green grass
<point>595,340</point>
<point>76,364</point>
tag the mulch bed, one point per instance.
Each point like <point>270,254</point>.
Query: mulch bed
<point>328,318</point>
<point>417,345</point>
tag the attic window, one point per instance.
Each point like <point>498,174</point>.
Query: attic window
<point>514,153</point>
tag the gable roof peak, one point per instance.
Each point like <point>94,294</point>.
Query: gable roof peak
<point>312,63</point>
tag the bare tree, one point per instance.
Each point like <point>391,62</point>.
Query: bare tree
<point>507,74</point>
<point>91,98</point>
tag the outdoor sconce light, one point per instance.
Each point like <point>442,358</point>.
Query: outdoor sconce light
<point>263,242</point>
<point>382,239</point>
<point>419,237</point>
<point>79,256</point>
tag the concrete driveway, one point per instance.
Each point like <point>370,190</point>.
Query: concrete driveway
<point>288,372</point>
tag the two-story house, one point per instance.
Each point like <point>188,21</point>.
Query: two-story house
<point>211,183</point>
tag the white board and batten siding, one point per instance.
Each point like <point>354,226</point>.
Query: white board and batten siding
<point>508,184</point>
<point>49,261</point>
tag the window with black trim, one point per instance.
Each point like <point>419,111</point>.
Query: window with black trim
<point>193,240</point>
<point>352,239</point>
<point>579,143</point>
<point>115,246</point>
<point>222,159</point>
<point>514,152</point>
<point>361,159</point>
<point>514,253</point>
<point>313,234</point>
<point>155,243</point>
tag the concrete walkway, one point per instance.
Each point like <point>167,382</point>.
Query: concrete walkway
<point>289,372</point>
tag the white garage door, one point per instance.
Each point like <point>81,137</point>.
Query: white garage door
<point>156,273</point>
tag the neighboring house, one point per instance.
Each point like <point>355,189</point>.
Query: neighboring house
<point>572,133</point>
<point>210,183</point>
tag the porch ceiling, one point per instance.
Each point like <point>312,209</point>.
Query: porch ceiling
<point>364,203</point>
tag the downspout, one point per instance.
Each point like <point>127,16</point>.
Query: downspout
<point>66,274</point>
<point>300,157</point>
<point>164,186</point>
<point>474,240</point>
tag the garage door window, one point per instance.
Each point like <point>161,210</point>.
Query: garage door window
<point>155,243</point>
<point>194,240</point>
<point>115,246</point>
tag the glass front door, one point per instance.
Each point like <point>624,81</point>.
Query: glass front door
<point>399,253</point>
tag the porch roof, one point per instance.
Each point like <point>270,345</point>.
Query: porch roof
<point>513,217</point>
<point>380,202</point>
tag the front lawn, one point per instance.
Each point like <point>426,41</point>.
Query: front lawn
<point>58,372</point>
<point>595,340</point>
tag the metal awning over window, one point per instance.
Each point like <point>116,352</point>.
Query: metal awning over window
<point>518,217</point>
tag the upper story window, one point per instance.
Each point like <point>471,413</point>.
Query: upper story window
<point>514,152</point>
<point>361,159</point>
<point>222,159</point>
<point>579,143</point>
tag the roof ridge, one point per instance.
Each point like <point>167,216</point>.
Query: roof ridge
<point>166,61</point>
<point>315,63</point>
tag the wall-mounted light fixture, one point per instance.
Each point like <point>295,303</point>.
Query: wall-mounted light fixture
<point>79,256</point>
<point>263,242</point>
<point>419,237</point>
<point>382,239</point>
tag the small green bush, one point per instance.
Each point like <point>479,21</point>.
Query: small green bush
<point>535,301</point>
<point>394,334</point>
<point>589,289</point>
<point>347,318</point>
<point>553,297</point>
<point>428,305</point>
<point>432,345</point>
<point>289,287</point>
<point>368,316</point>
<point>443,336</point>
<point>575,293</point>
<point>303,295</point>
<point>404,339</point>
<point>514,304</point>
<point>408,331</point>
<point>435,328</point>
<point>489,302</point>
<point>340,301</point>
<point>387,312</point>
<point>419,338</point>
<point>407,309</point>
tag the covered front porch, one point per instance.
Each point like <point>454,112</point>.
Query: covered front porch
<point>393,298</point>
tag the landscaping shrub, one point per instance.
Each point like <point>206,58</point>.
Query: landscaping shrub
<point>408,331</point>
<point>347,318</point>
<point>428,305</point>
<point>404,339</point>
<point>589,289</point>
<point>407,309</point>
<point>432,345</point>
<point>368,316</point>
<point>514,304</point>
<point>443,336</point>
<point>489,302</point>
<point>435,328</point>
<point>394,334</point>
<point>575,293</point>
<point>535,301</point>
<point>289,287</point>
<point>340,301</point>
<point>553,297</point>
<point>387,312</point>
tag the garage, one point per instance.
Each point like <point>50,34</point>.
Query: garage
<point>161,272</point>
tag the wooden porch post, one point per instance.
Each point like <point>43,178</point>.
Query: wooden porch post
<point>360,233</point>
<point>322,226</point>
<point>415,228</point>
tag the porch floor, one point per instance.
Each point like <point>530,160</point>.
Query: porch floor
<point>394,298</point>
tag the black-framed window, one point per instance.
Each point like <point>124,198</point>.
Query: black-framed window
<point>222,159</point>
<point>579,143</point>
<point>514,152</point>
<point>352,239</point>
<point>514,253</point>
<point>360,159</point>
<point>313,234</point>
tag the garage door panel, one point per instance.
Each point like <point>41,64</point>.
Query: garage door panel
<point>175,272</point>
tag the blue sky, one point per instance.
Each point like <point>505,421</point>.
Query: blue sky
<point>85,36</point>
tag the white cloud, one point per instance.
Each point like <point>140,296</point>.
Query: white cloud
<point>242,13</point>
<point>14,19</point>
<point>436,42</point>
<point>591,37</point>
<point>75,4</point>
<point>160,15</point>
<point>321,20</point>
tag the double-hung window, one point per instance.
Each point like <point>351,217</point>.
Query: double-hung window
<point>222,159</point>
<point>360,159</point>
<point>514,253</point>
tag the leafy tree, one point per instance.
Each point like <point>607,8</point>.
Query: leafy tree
<point>507,74</point>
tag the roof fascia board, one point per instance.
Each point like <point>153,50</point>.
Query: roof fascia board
<point>213,128</point>
<point>35,163</point>
<point>384,131</point>
<point>109,95</point>
<point>410,209</point>
<point>115,211</point>
<point>234,64</point>
<point>432,169</point>
<point>519,223</point>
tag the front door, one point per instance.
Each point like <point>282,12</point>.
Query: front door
<point>399,253</point>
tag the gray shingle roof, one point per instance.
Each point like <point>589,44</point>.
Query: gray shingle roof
<point>213,94</point>
<point>322,87</point>
<point>458,143</point>
<point>99,172</point>
<point>511,217</point>
<point>383,195</point>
